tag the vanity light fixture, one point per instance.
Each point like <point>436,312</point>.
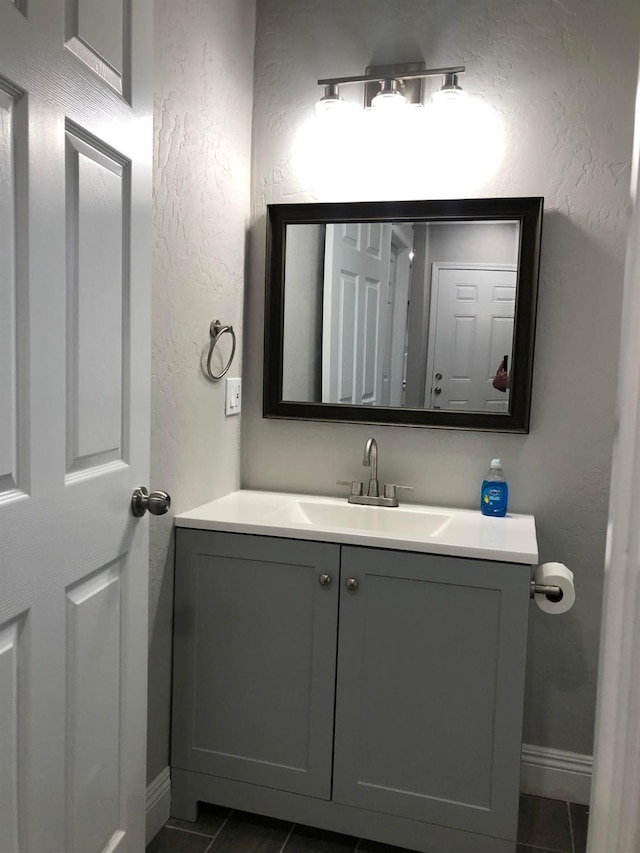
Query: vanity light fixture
<point>390,86</point>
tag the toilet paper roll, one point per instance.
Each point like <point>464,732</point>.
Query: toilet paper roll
<point>556,574</point>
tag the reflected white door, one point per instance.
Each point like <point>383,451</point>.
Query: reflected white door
<point>354,309</point>
<point>75,151</point>
<point>470,332</point>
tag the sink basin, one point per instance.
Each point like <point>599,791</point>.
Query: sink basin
<point>397,521</point>
<point>409,527</point>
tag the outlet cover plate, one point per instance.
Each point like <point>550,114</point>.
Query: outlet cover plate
<point>233,397</point>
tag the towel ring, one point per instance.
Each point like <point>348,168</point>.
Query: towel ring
<point>216,330</point>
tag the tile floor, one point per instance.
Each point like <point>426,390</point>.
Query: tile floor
<point>545,826</point>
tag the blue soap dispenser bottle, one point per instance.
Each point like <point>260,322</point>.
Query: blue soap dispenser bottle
<point>494,496</point>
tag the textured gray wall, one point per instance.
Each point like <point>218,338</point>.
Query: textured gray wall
<point>204,80</point>
<point>561,77</point>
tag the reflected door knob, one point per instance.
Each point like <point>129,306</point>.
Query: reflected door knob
<point>157,502</point>
<point>437,391</point>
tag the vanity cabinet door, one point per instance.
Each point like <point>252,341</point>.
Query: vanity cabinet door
<point>254,659</point>
<point>430,687</point>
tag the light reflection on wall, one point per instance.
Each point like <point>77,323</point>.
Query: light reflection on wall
<point>443,149</point>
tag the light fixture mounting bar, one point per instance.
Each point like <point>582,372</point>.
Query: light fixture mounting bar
<point>376,78</point>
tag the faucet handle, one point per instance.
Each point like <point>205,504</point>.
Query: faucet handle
<point>390,490</point>
<point>356,486</point>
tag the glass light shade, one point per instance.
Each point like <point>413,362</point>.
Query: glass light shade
<point>330,106</point>
<point>389,96</point>
<point>331,102</point>
<point>449,92</point>
<point>448,96</point>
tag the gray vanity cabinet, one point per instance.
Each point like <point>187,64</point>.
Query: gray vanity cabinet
<point>430,683</point>
<point>254,659</point>
<point>402,725</point>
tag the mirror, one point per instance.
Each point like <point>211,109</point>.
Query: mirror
<point>418,313</point>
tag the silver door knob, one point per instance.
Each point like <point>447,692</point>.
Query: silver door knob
<point>325,580</point>
<point>437,391</point>
<point>351,583</point>
<point>157,502</point>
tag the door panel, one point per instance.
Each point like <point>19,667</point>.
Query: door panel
<point>97,301</point>
<point>94,693</point>
<point>13,127</point>
<point>461,362</point>
<point>430,688</point>
<point>8,431</point>
<point>371,343</point>
<point>96,34</point>
<point>11,709</point>
<point>346,323</point>
<point>373,236</point>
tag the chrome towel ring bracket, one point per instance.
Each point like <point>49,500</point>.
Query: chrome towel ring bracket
<point>216,330</point>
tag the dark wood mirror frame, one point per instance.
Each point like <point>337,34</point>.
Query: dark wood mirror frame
<point>527,211</point>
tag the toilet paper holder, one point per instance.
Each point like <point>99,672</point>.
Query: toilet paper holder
<point>552,591</point>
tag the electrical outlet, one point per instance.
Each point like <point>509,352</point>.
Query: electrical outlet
<point>233,397</point>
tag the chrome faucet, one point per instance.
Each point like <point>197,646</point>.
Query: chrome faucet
<point>373,496</point>
<point>370,458</point>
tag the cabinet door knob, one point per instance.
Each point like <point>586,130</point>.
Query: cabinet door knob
<point>325,580</point>
<point>351,583</point>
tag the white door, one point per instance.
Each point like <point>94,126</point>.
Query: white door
<point>75,151</point>
<point>354,310</point>
<point>470,332</point>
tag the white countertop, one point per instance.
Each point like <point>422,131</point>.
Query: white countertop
<point>431,530</point>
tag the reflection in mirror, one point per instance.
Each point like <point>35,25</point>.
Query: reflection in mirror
<point>417,312</point>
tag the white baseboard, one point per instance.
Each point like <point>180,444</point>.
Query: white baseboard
<point>158,804</point>
<point>556,774</point>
